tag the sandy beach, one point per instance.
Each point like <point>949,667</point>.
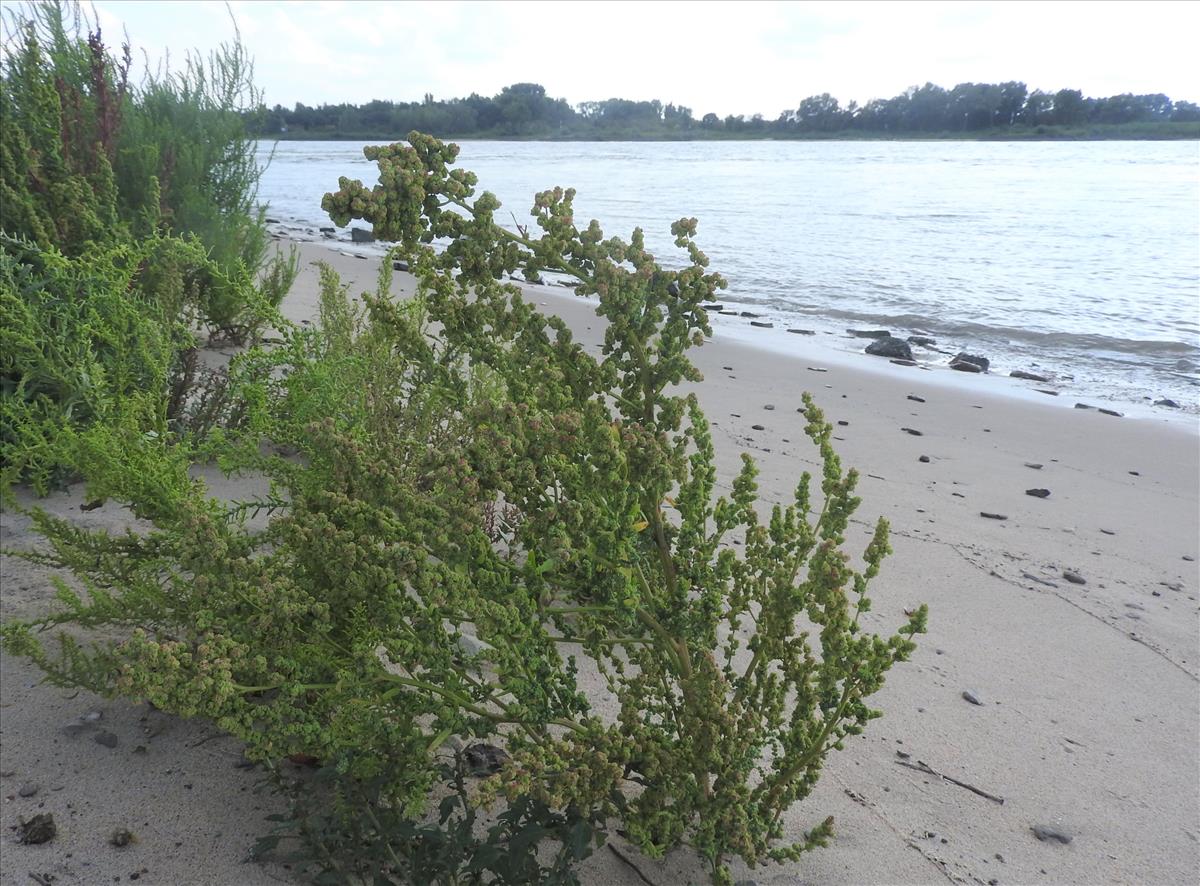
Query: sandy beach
<point>1076,759</point>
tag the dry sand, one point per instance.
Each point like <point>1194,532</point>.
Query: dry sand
<point>1090,714</point>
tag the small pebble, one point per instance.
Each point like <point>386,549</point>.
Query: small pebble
<point>971,696</point>
<point>27,790</point>
<point>1074,577</point>
<point>924,459</point>
<point>757,427</point>
<point>1038,493</point>
<point>912,431</point>
<point>992,516</point>
<point>769,406</point>
<point>1108,532</point>
<point>39,829</point>
<point>844,424</point>
<point>1189,558</point>
<point>1034,465</point>
<point>1047,833</point>
<point>916,399</point>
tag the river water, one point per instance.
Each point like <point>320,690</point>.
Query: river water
<point>1079,261</point>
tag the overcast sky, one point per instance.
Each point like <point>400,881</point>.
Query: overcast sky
<point>726,58</point>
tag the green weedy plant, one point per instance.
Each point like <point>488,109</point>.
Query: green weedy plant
<point>107,274</point>
<point>727,707</point>
<point>465,509</point>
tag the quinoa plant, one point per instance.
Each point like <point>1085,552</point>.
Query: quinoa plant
<point>462,511</point>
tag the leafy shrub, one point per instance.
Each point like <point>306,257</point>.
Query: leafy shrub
<point>110,263</point>
<point>454,848</point>
<point>384,608</point>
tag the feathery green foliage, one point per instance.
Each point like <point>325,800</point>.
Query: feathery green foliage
<point>126,226</point>
<point>465,510</point>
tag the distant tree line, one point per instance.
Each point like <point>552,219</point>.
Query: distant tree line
<point>524,110</point>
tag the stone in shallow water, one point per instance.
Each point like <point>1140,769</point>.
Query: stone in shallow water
<point>892,348</point>
<point>964,362</point>
<point>1028,376</point>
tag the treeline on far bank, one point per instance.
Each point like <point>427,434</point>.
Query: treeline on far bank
<point>969,110</point>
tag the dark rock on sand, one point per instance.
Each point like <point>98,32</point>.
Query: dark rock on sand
<point>921,341</point>
<point>912,431</point>
<point>992,516</point>
<point>1028,376</point>
<point>757,428</point>
<point>844,424</point>
<point>1083,406</point>
<point>28,789</point>
<point>762,324</point>
<point>1049,833</point>
<point>924,459</point>
<point>728,313</point>
<point>1046,391</point>
<point>361,235</point>
<point>1111,412</point>
<point>1166,402</point>
<point>769,406</point>
<point>1074,577</point>
<point>916,399</point>
<point>890,347</point>
<point>121,837</point>
<point>484,759</point>
<point>1034,465</point>
<point>904,362</point>
<point>1038,493</point>
<point>39,829</point>
<point>748,314</point>
<point>972,697</point>
<point>802,332</point>
<point>869,333</point>
<point>964,362</point>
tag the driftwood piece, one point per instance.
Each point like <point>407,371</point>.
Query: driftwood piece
<point>922,766</point>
